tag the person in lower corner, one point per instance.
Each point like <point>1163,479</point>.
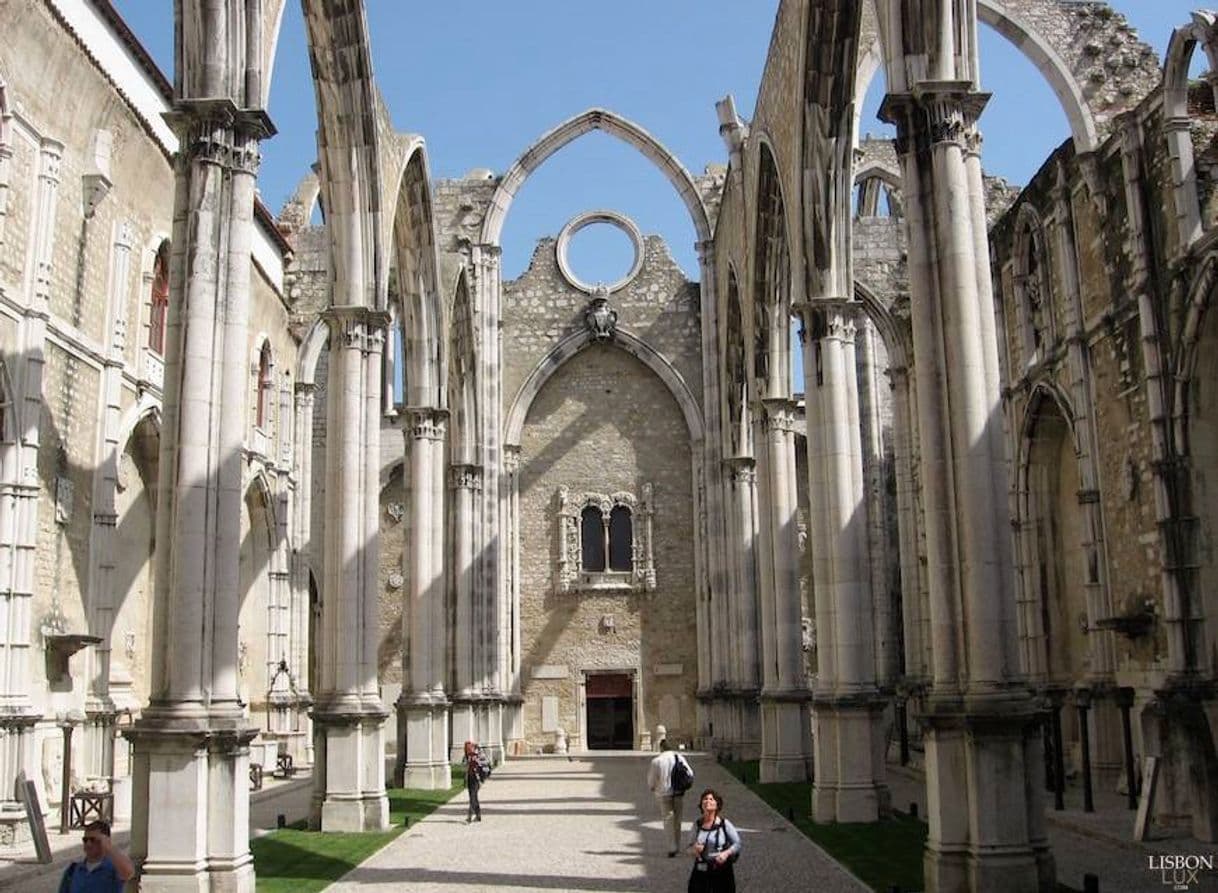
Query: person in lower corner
<point>715,847</point>
<point>659,779</point>
<point>105,869</point>
<point>473,782</point>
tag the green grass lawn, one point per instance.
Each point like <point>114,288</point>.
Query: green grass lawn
<point>882,854</point>
<point>294,860</point>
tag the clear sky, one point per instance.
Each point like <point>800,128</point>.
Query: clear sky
<point>482,79</point>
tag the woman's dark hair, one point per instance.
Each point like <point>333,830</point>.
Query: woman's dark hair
<point>718,799</point>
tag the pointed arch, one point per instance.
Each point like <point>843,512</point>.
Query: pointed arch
<point>735,384</point>
<point>568,131</point>
<point>349,150</point>
<point>1039,50</point>
<point>771,292</point>
<point>462,378</point>
<point>414,287</point>
<point>624,340</point>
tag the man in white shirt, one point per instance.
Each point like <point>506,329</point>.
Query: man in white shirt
<point>659,779</point>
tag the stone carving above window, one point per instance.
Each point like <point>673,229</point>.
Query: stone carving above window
<point>620,556</point>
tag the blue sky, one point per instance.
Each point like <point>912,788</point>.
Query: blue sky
<point>482,79</point>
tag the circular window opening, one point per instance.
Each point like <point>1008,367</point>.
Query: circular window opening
<point>600,250</point>
<point>600,254</point>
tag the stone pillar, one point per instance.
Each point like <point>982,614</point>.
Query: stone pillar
<point>489,578</point>
<point>190,825</point>
<point>1105,715</point>
<point>511,723</point>
<point>784,696</point>
<point>982,737</point>
<point>423,704</point>
<point>744,644</point>
<point>465,484</point>
<point>19,495</point>
<point>98,749</point>
<point>348,719</point>
<point>848,712</point>
<point>6,154</point>
<point>300,645</point>
<point>914,616</point>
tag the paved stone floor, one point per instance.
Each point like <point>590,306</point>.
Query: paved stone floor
<point>588,824</point>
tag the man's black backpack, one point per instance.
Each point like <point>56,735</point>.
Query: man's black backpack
<point>682,776</point>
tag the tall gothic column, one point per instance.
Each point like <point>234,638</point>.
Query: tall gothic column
<point>423,704</point>
<point>99,706</point>
<point>465,483</point>
<point>785,753</point>
<point>20,492</point>
<point>509,600</point>
<point>348,719</point>
<point>744,643</point>
<point>301,607</point>
<point>982,737</point>
<point>1107,741</point>
<point>848,711</point>
<point>191,755</point>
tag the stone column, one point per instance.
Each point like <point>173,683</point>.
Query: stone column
<point>423,704</point>
<point>300,645</point>
<point>511,722</point>
<point>1105,713</point>
<point>744,644</point>
<point>99,706</point>
<point>489,578</point>
<point>19,495</point>
<point>190,823</point>
<point>913,594</point>
<point>784,698</point>
<point>348,719</point>
<point>982,737</point>
<point>465,484</point>
<point>848,711</point>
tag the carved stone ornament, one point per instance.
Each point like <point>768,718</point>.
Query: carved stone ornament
<point>571,576</point>
<point>600,318</point>
<point>396,511</point>
<point>395,580</point>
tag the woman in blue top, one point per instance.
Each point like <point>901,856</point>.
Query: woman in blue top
<point>716,845</point>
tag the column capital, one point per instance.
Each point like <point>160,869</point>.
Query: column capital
<point>741,469</point>
<point>465,477</point>
<point>780,413</point>
<point>936,112</point>
<point>357,327</point>
<point>216,131</point>
<point>829,317</point>
<point>511,457</point>
<point>426,422</point>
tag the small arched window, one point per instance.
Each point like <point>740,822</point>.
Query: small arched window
<point>621,539</point>
<point>592,538</point>
<point>265,385</point>
<point>159,299</point>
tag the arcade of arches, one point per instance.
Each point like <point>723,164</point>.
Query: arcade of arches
<point>344,493</point>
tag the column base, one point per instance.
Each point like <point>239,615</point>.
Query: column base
<point>423,754</point>
<point>984,784</point>
<point>349,775</point>
<point>190,828</point>
<point>785,754</point>
<point>849,740</point>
